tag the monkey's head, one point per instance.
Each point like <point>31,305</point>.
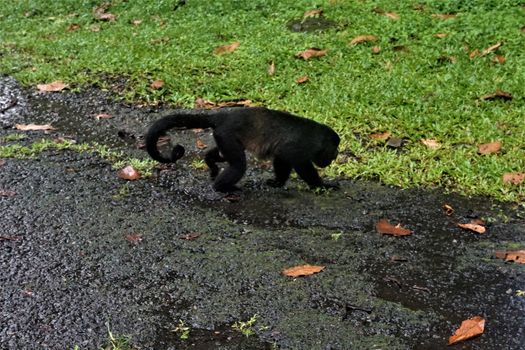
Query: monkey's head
<point>328,152</point>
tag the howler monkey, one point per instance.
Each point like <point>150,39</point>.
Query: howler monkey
<point>292,142</point>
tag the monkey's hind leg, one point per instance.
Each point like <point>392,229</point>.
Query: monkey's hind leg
<point>233,152</point>
<point>212,157</point>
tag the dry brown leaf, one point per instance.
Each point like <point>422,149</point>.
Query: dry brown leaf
<point>2,162</point>
<point>311,52</point>
<point>99,12</point>
<point>376,49</point>
<point>302,270</point>
<point>7,193</point>
<point>448,209</point>
<point>380,135</point>
<point>473,54</point>
<point>191,236</point>
<point>128,173</point>
<point>26,127</point>
<point>271,68</point>
<point>440,35</point>
<point>136,22</point>
<point>488,148</point>
<point>52,87</point>
<point>206,104</point>
<point>491,49</point>
<point>313,13</point>
<point>386,228</point>
<point>517,256</point>
<point>103,116</point>
<point>363,39</point>
<point>133,238</point>
<point>444,16</point>
<point>431,143</point>
<point>499,59</point>
<point>474,227</point>
<point>468,329</point>
<point>157,84</point>
<point>10,238</point>
<point>200,144</point>
<point>72,27</point>
<point>223,49</point>
<point>513,178</point>
<point>523,29</point>
<point>506,96</point>
<point>392,15</point>
<point>302,79</point>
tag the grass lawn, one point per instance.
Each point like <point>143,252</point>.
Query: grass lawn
<point>420,79</point>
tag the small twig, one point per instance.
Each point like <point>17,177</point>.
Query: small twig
<point>423,289</point>
<point>10,238</point>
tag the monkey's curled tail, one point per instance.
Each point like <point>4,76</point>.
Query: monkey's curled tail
<point>187,119</point>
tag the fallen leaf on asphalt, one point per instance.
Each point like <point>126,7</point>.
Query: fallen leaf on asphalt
<point>491,49</point>
<point>513,178</point>
<point>200,144</point>
<point>33,127</point>
<point>386,228</point>
<point>7,193</point>
<point>468,329</point>
<point>488,148</point>
<point>380,136</point>
<point>128,173</point>
<point>55,86</point>
<point>448,209</point>
<point>302,270</point>
<point>157,84</point>
<point>311,52</point>
<point>223,49</point>
<point>473,226</point>
<point>431,143</point>
<point>363,39</point>
<point>302,79</point>
<point>2,162</point>
<point>133,238</point>
<point>497,95</point>
<point>517,256</point>
<point>313,13</point>
<point>10,238</point>
<point>103,116</point>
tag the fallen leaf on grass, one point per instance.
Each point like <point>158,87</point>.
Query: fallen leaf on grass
<point>513,178</point>
<point>473,54</point>
<point>191,236</point>
<point>55,86</point>
<point>392,15</point>
<point>157,84</point>
<point>376,49</point>
<point>517,256</point>
<point>499,59</point>
<point>363,39</point>
<point>431,143</point>
<point>99,12</point>
<point>103,116</point>
<point>311,52</point>
<point>271,68</point>
<point>447,59</point>
<point>448,209</point>
<point>506,96</point>
<point>440,35</point>
<point>302,79</point>
<point>468,329</point>
<point>205,104</point>
<point>7,193</point>
<point>386,228</point>
<point>72,27</point>
<point>491,49</point>
<point>136,22</point>
<point>313,13</point>
<point>380,135</point>
<point>128,173</point>
<point>474,226</point>
<point>133,238</point>
<point>302,270</point>
<point>444,16</point>
<point>223,49</point>
<point>27,127</point>
<point>200,144</point>
<point>488,148</point>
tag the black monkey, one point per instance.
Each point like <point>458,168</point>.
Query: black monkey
<point>292,142</point>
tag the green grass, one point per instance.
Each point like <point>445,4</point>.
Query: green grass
<point>410,92</point>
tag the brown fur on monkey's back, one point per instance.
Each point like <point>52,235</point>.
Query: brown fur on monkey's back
<point>265,132</point>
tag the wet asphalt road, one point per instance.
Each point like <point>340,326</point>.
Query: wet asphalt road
<point>83,250</point>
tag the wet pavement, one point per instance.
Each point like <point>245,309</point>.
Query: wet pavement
<point>82,250</point>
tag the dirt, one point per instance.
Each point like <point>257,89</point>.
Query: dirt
<point>84,251</point>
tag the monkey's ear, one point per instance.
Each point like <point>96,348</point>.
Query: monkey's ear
<point>177,152</point>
